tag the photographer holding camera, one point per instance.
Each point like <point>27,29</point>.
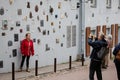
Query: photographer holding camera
<point>95,64</point>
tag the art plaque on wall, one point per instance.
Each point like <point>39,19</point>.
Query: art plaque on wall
<point>4,25</point>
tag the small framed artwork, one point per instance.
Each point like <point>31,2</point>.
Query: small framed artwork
<point>11,2</point>
<point>1,64</point>
<point>10,43</point>
<point>2,11</point>
<point>14,52</point>
<point>16,37</point>
<point>4,25</point>
<point>3,34</point>
<point>30,15</point>
<point>19,11</point>
<point>28,4</point>
<point>27,27</point>
<point>47,47</point>
<point>38,41</point>
<point>36,8</point>
<point>42,23</point>
<point>17,23</point>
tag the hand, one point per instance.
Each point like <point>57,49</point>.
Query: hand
<point>90,36</point>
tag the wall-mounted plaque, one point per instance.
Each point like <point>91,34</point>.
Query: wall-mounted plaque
<point>27,27</point>
<point>2,11</point>
<point>1,64</point>
<point>17,23</point>
<point>19,11</point>
<point>36,8</point>
<point>4,25</point>
<point>41,2</point>
<point>10,43</point>
<point>28,4</point>
<point>42,23</point>
<point>14,52</point>
<point>3,34</point>
<point>16,38</point>
<point>30,15</point>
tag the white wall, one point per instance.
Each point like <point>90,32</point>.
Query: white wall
<point>45,57</point>
<point>102,15</point>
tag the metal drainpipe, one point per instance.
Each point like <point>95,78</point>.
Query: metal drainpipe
<point>81,25</point>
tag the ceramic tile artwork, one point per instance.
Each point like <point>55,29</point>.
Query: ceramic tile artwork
<point>10,43</point>
<point>27,27</point>
<point>2,11</point>
<point>3,33</point>
<point>38,41</point>
<point>14,52</point>
<point>1,64</point>
<point>36,8</point>
<point>42,23</point>
<point>17,23</point>
<point>28,4</point>
<point>19,11</point>
<point>16,37</point>
<point>47,47</point>
<point>4,25</point>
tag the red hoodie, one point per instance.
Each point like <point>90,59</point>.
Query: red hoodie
<point>27,47</point>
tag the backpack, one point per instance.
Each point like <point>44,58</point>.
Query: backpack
<point>118,55</point>
<point>102,53</point>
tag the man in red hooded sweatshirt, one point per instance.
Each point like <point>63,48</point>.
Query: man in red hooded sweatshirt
<point>27,49</point>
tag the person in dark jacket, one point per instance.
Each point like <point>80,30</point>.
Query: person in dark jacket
<point>95,64</point>
<point>117,62</point>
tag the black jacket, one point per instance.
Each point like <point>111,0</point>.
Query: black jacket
<point>96,45</point>
<point>116,49</point>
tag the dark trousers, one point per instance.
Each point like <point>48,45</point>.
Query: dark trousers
<point>95,66</point>
<point>117,64</point>
<point>27,61</point>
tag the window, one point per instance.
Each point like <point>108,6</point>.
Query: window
<point>118,4</point>
<point>108,4</point>
<point>93,3</point>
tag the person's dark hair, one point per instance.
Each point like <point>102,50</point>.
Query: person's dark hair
<point>27,34</point>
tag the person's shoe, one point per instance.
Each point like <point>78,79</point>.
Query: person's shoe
<point>20,70</point>
<point>27,70</point>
